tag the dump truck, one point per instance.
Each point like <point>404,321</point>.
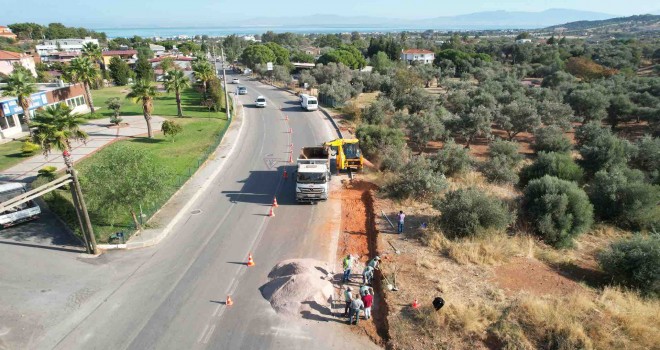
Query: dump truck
<point>313,174</point>
<point>347,154</point>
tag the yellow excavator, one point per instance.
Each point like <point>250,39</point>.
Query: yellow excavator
<point>348,154</point>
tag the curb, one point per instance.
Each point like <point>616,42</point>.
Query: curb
<point>165,232</point>
<point>323,110</point>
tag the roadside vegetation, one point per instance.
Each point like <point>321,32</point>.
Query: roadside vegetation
<point>136,174</point>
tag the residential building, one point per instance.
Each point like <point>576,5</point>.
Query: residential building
<point>523,41</point>
<point>63,57</point>
<point>6,33</point>
<point>158,50</point>
<point>182,62</point>
<point>12,123</point>
<point>129,56</point>
<point>314,51</point>
<point>8,59</point>
<point>63,45</point>
<point>417,55</point>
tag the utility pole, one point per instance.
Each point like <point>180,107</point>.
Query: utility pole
<point>81,207</point>
<point>224,78</point>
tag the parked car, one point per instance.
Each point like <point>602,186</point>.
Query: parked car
<point>260,102</point>
<point>242,90</point>
<point>235,81</point>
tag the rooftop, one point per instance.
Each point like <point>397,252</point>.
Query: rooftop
<point>417,51</point>
<point>9,55</point>
<point>176,58</point>
<point>119,52</point>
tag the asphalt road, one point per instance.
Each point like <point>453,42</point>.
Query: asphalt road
<point>172,296</point>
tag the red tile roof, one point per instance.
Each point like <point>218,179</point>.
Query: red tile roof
<point>417,51</point>
<point>8,55</point>
<point>119,52</point>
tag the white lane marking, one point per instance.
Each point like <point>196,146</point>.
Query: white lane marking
<point>217,308</point>
<point>201,336</point>
<point>289,333</point>
<point>208,335</point>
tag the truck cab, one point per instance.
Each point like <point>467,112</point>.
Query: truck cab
<point>312,182</point>
<point>313,174</point>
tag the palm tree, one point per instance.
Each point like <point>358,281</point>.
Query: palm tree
<point>175,81</point>
<point>94,53</point>
<point>144,91</point>
<point>55,127</point>
<point>82,70</point>
<point>21,86</point>
<point>204,72</point>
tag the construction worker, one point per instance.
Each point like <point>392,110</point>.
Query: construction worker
<point>374,262</point>
<point>348,298</point>
<point>364,289</point>
<point>367,300</point>
<point>367,275</point>
<point>354,311</point>
<point>400,218</point>
<point>347,264</point>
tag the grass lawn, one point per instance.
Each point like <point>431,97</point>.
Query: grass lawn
<point>10,154</point>
<point>164,105</point>
<point>179,159</point>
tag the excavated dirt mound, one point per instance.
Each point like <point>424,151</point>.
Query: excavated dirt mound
<point>298,285</point>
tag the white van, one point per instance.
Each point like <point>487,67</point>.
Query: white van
<point>308,102</point>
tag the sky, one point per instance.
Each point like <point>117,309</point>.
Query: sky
<point>172,13</point>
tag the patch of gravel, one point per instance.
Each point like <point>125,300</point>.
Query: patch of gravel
<point>298,285</point>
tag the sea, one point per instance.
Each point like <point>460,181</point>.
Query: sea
<point>252,30</point>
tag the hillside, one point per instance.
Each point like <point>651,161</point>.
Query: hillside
<point>636,23</point>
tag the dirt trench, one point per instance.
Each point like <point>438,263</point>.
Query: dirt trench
<point>359,237</point>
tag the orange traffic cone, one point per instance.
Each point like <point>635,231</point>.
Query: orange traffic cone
<point>229,302</point>
<point>415,304</point>
<point>250,261</point>
<point>275,202</point>
<point>285,175</point>
<point>290,131</point>
<point>271,213</point>
<point>286,117</point>
<point>290,157</point>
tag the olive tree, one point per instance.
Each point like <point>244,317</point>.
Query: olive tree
<point>558,210</point>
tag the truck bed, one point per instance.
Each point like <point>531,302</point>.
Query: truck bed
<point>314,153</point>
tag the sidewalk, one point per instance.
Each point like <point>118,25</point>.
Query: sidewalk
<point>101,133</point>
<point>180,203</point>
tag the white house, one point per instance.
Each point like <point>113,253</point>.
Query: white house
<point>63,45</point>
<point>8,59</point>
<point>158,50</point>
<point>523,41</point>
<point>417,55</point>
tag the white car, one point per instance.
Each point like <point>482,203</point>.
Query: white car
<point>260,102</point>
<point>235,81</point>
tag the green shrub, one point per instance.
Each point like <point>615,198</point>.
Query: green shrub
<point>558,210</point>
<point>171,128</point>
<point>620,196</point>
<point>29,148</point>
<point>648,158</point>
<point>551,139</point>
<point>47,172</point>
<point>605,151</point>
<point>507,150</point>
<point>417,180</point>
<point>373,138</point>
<point>394,158</point>
<point>559,165</point>
<point>470,212</point>
<point>499,170</point>
<point>634,262</point>
<point>504,159</point>
<point>452,159</point>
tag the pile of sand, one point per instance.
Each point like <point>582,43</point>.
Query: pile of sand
<point>298,284</point>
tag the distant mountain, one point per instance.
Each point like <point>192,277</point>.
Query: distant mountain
<point>631,23</point>
<point>478,20</point>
